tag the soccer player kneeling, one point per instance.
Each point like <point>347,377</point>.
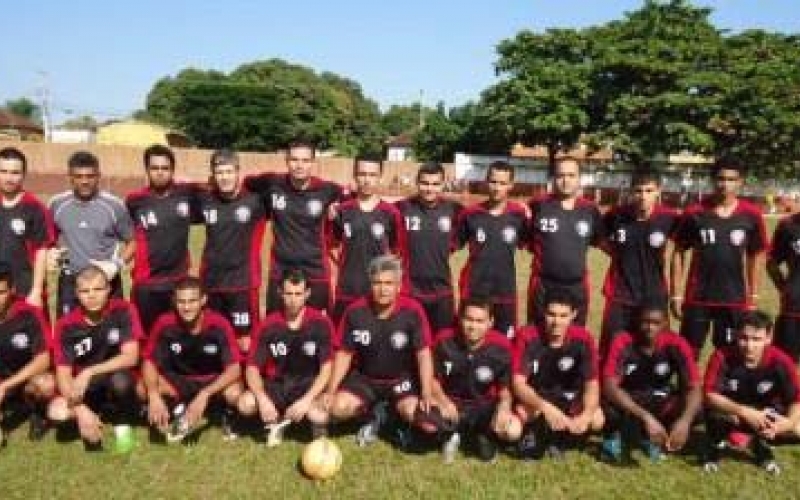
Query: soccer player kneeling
<point>752,395</point>
<point>383,356</point>
<point>25,382</point>
<point>651,388</point>
<point>96,346</point>
<point>472,365</point>
<point>191,361</point>
<point>289,363</point>
<point>555,380</point>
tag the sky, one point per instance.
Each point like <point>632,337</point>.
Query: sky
<point>101,57</point>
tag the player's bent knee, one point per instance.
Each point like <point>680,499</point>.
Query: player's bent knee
<point>247,404</point>
<point>507,427</point>
<point>407,408</point>
<point>58,410</point>
<point>41,386</point>
<point>344,406</point>
<point>317,415</point>
<point>232,393</point>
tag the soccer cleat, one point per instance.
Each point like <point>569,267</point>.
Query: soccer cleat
<point>764,457</point>
<point>529,447</point>
<point>653,451</point>
<point>611,448</point>
<point>487,449</point>
<point>179,427</point>
<point>226,423</point>
<point>37,426</point>
<point>368,433</point>
<point>450,448</point>
<point>275,432</point>
<point>711,467</point>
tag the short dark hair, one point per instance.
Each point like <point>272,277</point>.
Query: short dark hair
<point>294,276</point>
<point>728,162</point>
<point>560,296</point>
<point>223,157</point>
<point>478,301</point>
<point>15,154</point>
<point>190,283</point>
<point>651,304</point>
<point>500,166</point>
<point>302,142</point>
<point>563,159</point>
<point>368,158</point>
<point>430,168</point>
<point>83,159</point>
<point>6,275</point>
<point>158,150</point>
<point>640,177</point>
<point>757,319</point>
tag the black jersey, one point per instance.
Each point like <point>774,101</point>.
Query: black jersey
<point>298,222</point>
<point>785,249</point>
<point>25,228</point>
<point>430,233</point>
<point>638,253</point>
<point>24,334</point>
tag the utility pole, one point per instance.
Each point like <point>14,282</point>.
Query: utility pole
<point>45,105</point>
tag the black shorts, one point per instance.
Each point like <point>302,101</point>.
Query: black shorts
<point>697,320</point>
<point>537,291</point>
<point>67,298</point>
<point>440,310</point>
<point>240,307</point>
<point>283,392</point>
<point>571,403</point>
<point>787,335</point>
<point>475,416</point>
<point>104,391</point>
<point>152,301</point>
<point>665,406</point>
<point>320,297</point>
<point>371,391</point>
<point>188,387</point>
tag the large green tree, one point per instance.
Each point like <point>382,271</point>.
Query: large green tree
<point>26,108</point>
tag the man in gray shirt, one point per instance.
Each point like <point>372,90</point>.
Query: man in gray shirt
<point>93,228</point>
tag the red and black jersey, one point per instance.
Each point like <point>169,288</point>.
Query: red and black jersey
<point>363,236</point>
<point>670,368</point>
<point>560,239</point>
<point>384,348</point>
<point>234,235</point>
<point>79,344</point>
<point>472,375</point>
<point>161,231</point>
<point>280,352</point>
<point>24,334</point>
<point>298,220</point>
<point>785,249</point>
<point>773,382</point>
<point>430,232</point>
<point>638,252</point>
<point>556,372</point>
<point>719,245</point>
<point>175,351</point>
<point>25,228</point>
<point>492,241</point>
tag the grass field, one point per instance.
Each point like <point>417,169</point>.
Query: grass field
<point>246,469</point>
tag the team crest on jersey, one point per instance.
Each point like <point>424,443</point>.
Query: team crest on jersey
<point>509,234</point>
<point>733,385</point>
<point>18,226</point>
<point>113,336</point>
<point>399,340</point>
<point>484,374</point>
<point>737,237</point>
<point>20,341</point>
<point>657,239</point>
<point>377,230</point>
<point>764,387</point>
<point>210,349</point>
<point>444,224</point>
<point>630,368</point>
<point>176,347</point>
<point>183,209</point>
<point>314,207</point>
<point>309,348</point>
<point>566,363</point>
<point>243,214</point>
<point>582,227</point>
<point>662,369</point>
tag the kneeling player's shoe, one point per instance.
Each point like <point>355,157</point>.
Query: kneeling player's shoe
<point>227,424</point>
<point>450,448</point>
<point>528,447</point>
<point>711,467</point>
<point>179,426</point>
<point>275,432</point>
<point>611,448</point>
<point>653,451</point>
<point>487,448</point>
<point>368,433</point>
<point>764,457</point>
<point>37,426</point>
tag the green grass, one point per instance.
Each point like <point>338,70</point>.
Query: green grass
<point>244,469</point>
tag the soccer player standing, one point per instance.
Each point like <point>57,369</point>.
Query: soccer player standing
<point>785,251</point>
<point>493,230</point>
<point>363,228</point>
<point>298,204</point>
<point>94,228</point>
<point>161,220</point>
<point>563,226</point>
<point>231,266</point>
<point>636,237</point>
<point>726,235</point>
<point>26,230</point>
<point>430,238</point>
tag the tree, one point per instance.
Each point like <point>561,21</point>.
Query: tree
<point>399,119</point>
<point>84,122</point>
<point>438,138</point>
<point>26,108</point>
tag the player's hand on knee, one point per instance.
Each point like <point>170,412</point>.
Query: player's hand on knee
<point>298,410</point>
<point>267,410</point>
<point>678,435</point>
<point>89,424</point>
<point>655,431</point>
<point>196,409</point>
<point>449,411</point>
<point>158,413</point>
<point>555,418</point>
<point>79,385</point>
<point>426,402</point>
